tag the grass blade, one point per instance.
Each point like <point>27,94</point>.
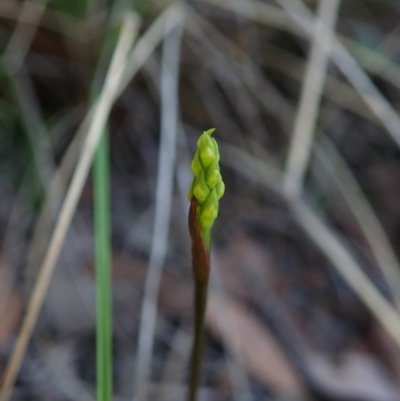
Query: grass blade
<point>101,111</point>
<point>101,175</point>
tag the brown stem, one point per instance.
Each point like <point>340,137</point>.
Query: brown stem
<point>201,272</point>
<point>200,302</point>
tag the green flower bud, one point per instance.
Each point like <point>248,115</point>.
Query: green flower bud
<point>207,185</point>
<point>196,166</point>
<point>209,210</point>
<point>200,188</point>
<point>213,175</point>
<point>214,142</point>
<point>207,153</point>
<point>220,189</point>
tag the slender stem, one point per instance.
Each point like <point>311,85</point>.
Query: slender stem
<point>206,233</point>
<point>200,303</point>
<point>101,177</point>
<point>201,271</point>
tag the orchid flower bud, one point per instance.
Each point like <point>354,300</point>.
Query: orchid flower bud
<point>207,185</point>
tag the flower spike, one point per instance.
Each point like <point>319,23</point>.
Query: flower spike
<point>207,185</point>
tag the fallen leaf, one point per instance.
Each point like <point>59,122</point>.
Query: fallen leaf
<point>253,342</point>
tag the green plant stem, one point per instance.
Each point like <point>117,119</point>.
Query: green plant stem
<point>101,175</point>
<point>206,233</point>
<point>200,303</point>
<point>201,272</point>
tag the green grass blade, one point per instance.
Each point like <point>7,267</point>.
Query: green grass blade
<point>101,175</point>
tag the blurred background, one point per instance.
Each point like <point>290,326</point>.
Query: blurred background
<point>304,300</point>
